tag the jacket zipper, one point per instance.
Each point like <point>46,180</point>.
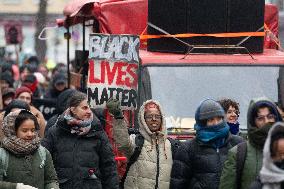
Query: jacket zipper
<point>158,163</point>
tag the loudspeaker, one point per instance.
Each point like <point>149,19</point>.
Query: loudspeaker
<point>205,16</point>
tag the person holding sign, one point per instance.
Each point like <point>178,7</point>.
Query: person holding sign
<point>149,153</point>
<point>80,148</point>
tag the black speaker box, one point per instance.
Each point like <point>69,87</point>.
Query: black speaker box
<point>205,17</point>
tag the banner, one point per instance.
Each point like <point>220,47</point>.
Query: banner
<point>113,66</point>
<point>46,106</point>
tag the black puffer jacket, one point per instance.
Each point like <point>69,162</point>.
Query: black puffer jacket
<point>199,166</point>
<point>75,157</point>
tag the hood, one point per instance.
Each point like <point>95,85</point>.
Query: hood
<point>58,78</point>
<point>9,123</point>
<point>62,100</point>
<point>16,103</point>
<point>253,106</point>
<point>270,173</point>
<point>143,128</point>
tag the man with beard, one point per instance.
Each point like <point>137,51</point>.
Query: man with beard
<point>245,160</point>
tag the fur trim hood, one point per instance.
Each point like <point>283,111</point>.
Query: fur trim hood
<point>143,128</point>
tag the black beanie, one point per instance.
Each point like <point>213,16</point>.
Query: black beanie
<point>16,103</point>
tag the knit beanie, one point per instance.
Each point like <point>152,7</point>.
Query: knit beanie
<point>21,90</point>
<point>31,82</point>
<point>210,108</point>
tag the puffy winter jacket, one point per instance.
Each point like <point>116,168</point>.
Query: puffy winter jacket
<point>153,167</point>
<point>198,165</point>
<point>81,161</point>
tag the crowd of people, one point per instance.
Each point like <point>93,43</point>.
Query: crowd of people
<point>71,150</point>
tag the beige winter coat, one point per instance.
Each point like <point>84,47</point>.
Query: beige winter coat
<point>142,174</point>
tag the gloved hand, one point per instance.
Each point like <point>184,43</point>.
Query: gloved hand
<point>113,106</point>
<point>23,186</point>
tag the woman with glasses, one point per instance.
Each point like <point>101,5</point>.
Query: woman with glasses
<point>152,168</point>
<point>262,114</point>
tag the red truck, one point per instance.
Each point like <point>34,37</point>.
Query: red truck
<point>180,82</point>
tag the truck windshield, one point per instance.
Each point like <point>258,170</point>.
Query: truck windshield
<point>181,89</point>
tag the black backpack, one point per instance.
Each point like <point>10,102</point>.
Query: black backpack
<point>139,142</point>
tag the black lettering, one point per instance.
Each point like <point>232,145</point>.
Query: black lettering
<point>132,98</point>
<point>93,95</point>
<point>124,99</point>
<point>118,90</point>
<point>111,90</point>
<point>104,96</point>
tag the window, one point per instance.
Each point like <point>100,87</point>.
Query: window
<point>181,89</point>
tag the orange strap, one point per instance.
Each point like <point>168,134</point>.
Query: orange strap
<point>238,34</point>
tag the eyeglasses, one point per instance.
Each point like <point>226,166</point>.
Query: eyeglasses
<point>262,118</point>
<point>151,117</point>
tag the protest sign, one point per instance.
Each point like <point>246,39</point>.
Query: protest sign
<point>113,66</point>
<point>46,106</point>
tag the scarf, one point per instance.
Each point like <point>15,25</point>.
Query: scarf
<point>14,144</point>
<point>214,135</point>
<point>234,128</point>
<point>19,146</point>
<point>78,126</point>
<point>257,136</point>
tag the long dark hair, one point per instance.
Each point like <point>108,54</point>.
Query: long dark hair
<point>23,116</point>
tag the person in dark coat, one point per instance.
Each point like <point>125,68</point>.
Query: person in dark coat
<point>198,163</point>
<point>80,149</point>
<point>61,106</point>
<point>57,86</point>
